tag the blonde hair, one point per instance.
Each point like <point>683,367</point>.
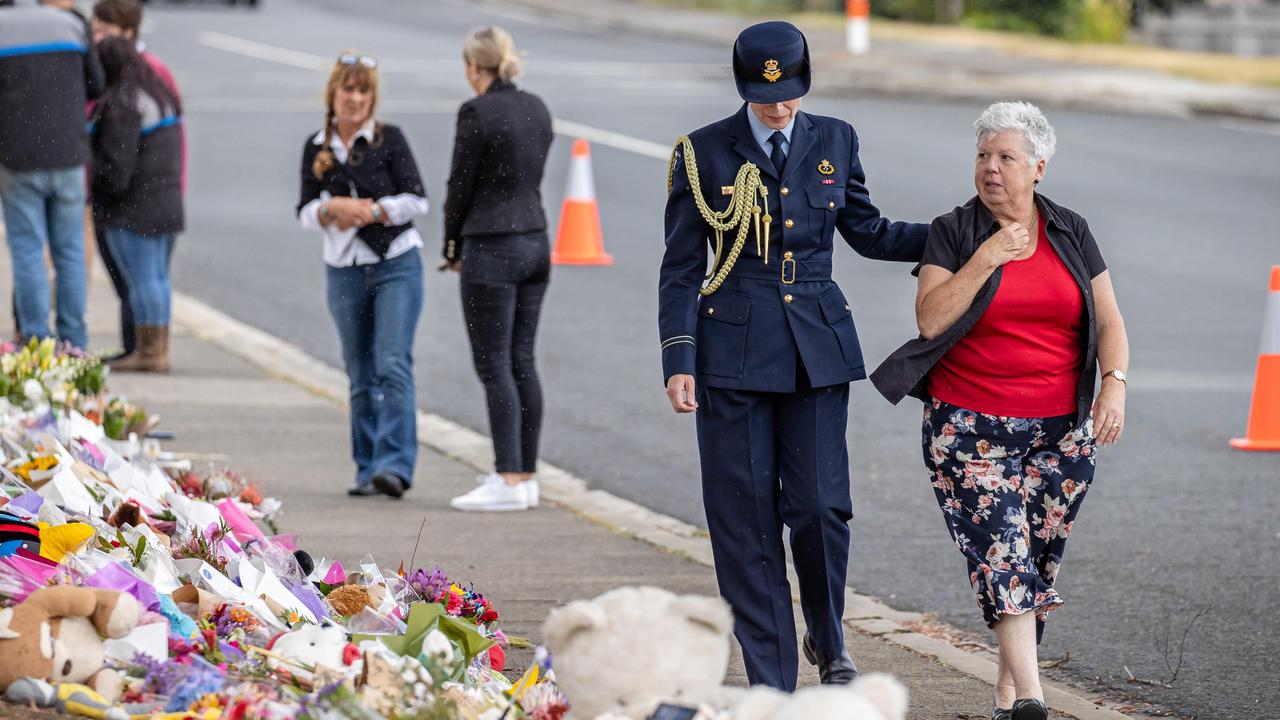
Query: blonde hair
<point>491,48</point>
<point>343,74</point>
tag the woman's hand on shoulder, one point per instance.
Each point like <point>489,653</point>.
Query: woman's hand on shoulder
<point>1007,244</point>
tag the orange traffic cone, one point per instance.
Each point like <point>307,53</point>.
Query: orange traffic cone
<point>579,240</point>
<point>1264,413</point>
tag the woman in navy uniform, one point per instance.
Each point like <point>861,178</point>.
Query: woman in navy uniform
<point>771,342</point>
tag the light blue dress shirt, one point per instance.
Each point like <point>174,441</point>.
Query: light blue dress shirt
<point>763,132</point>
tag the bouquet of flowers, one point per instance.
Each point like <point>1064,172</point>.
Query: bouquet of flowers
<point>43,373</point>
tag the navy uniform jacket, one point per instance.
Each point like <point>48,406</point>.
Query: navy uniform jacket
<point>749,333</point>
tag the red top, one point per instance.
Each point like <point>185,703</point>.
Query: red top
<point>1023,356</point>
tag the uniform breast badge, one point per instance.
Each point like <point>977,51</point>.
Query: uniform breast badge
<point>743,213</point>
<point>771,71</point>
<point>826,168</point>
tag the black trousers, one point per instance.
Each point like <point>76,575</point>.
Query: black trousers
<point>769,460</point>
<point>504,278</point>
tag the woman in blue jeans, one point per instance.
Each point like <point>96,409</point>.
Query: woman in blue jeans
<point>495,236</point>
<point>137,191</point>
<point>361,189</point>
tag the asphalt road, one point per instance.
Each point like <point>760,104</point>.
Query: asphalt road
<point>1185,212</point>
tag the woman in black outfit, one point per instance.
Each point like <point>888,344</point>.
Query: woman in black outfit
<point>495,236</point>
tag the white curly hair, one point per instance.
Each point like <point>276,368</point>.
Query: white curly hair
<point>1021,117</point>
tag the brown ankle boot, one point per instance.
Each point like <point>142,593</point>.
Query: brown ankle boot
<point>151,354</point>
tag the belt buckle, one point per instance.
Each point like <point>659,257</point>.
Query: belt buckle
<point>785,280</point>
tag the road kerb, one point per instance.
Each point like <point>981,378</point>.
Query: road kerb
<point>863,613</point>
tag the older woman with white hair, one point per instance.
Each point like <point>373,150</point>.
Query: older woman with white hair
<point>1017,319</point>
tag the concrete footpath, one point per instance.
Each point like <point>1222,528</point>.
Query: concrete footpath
<point>910,63</point>
<point>239,399</point>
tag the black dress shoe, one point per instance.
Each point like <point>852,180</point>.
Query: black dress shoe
<point>391,485</point>
<point>839,671</point>
<point>999,713</point>
<point>362,490</point>
<point>1029,709</point>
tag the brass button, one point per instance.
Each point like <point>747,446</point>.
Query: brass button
<point>785,191</point>
<point>787,298</point>
<point>786,255</point>
<point>831,204</point>
<point>711,311</point>
<point>789,223</point>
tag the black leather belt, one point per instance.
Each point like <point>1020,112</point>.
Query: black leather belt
<point>785,271</point>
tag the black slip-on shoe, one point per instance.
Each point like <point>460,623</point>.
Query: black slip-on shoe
<point>1029,709</point>
<point>839,671</point>
<point>362,490</point>
<point>999,713</point>
<point>393,486</point>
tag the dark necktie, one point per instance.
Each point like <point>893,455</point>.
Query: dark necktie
<point>778,157</point>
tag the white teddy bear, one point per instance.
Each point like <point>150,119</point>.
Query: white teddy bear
<point>630,649</point>
<point>871,697</point>
<point>621,655</point>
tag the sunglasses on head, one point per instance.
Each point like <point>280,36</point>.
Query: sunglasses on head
<point>365,60</point>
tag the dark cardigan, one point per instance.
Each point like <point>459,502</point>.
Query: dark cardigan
<point>953,239</point>
<point>373,170</point>
<point>495,182</point>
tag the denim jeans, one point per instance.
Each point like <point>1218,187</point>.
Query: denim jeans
<point>46,207</point>
<point>128,338</point>
<point>143,263</point>
<point>376,308</point>
<point>504,279</point>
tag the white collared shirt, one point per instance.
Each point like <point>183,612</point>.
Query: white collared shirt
<point>341,247</point>
<point>762,133</point>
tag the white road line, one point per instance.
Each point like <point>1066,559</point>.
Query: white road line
<point>309,61</point>
<point>612,139</point>
<point>263,51</point>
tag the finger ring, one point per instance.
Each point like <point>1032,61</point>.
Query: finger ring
<point>1115,425</point>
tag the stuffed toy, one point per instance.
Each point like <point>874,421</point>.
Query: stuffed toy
<point>641,653</point>
<point>870,697</point>
<point>56,635</point>
<point>68,698</point>
<point>317,647</point>
<point>630,649</point>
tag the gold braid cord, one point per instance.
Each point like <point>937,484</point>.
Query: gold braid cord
<point>748,195</point>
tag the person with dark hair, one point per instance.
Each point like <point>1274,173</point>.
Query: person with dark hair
<point>123,18</point>
<point>136,184</point>
<point>361,190</point>
<point>50,72</point>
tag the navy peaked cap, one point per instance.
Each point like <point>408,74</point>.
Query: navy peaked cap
<point>771,63</point>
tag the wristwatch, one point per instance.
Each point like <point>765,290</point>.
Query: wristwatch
<point>1117,374</point>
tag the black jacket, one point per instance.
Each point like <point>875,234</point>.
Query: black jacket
<point>136,172</point>
<point>373,170</point>
<point>48,71</point>
<point>953,239</point>
<point>499,152</point>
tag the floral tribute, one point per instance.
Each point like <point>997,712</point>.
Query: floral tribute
<point>238,621</point>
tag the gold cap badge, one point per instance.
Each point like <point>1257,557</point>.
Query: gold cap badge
<point>771,71</point>
<point>826,168</point>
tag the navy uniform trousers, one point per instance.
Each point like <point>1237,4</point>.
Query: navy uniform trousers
<point>768,460</point>
<point>773,351</point>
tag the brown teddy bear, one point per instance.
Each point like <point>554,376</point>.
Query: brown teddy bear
<point>56,635</point>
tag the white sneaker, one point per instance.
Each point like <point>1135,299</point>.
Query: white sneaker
<point>530,487</point>
<point>493,495</point>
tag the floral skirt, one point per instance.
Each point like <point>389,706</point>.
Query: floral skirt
<point>1009,489</point>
